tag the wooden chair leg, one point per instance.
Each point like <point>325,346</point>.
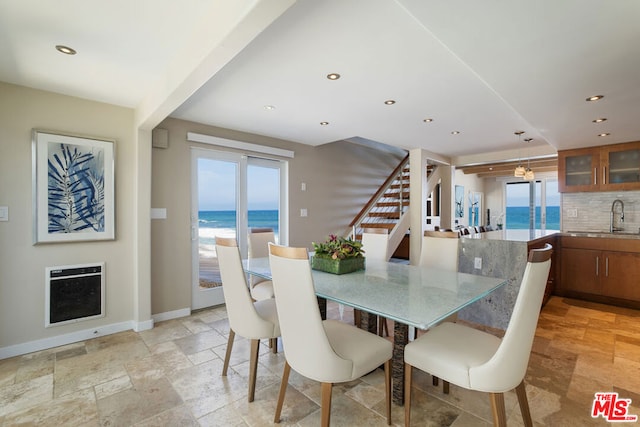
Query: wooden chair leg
<point>227,356</point>
<point>524,404</point>
<point>283,390</point>
<point>387,388</point>
<point>253,368</point>
<point>325,397</point>
<point>407,394</point>
<point>498,410</point>
<point>273,344</point>
<point>434,380</point>
<point>445,387</point>
<point>356,317</point>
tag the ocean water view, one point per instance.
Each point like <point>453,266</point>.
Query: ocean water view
<point>517,217</point>
<point>223,223</point>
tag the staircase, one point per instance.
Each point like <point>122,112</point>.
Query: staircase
<point>388,208</point>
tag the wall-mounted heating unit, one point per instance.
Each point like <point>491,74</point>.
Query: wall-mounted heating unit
<point>74,293</point>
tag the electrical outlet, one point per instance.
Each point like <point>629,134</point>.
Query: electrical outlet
<point>572,213</point>
<point>477,263</point>
<point>303,212</point>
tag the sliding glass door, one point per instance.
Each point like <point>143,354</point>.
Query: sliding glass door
<point>532,204</point>
<point>230,193</point>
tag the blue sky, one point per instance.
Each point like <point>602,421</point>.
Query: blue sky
<point>217,186</point>
<point>518,194</point>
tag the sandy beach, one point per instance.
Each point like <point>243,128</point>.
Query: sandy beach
<point>209,272</point>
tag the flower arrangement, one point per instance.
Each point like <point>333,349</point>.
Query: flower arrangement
<point>338,248</point>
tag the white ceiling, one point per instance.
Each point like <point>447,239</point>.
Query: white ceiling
<point>484,68</point>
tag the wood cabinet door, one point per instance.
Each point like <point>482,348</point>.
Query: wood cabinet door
<point>580,270</point>
<point>620,167</point>
<point>621,275</point>
<point>578,170</point>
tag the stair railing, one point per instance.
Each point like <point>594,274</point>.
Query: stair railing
<point>396,175</point>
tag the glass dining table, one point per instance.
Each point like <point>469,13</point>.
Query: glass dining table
<point>409,295</point>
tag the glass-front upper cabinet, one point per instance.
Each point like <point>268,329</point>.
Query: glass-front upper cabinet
<point>606,168</point>
<point>578,170</point>
<point>622,168</point>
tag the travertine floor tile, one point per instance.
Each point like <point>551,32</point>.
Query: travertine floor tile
<point>171,375</point>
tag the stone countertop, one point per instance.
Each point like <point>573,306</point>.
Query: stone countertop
<point>513,235</point>
<point>602,234</point>
<point>531,235</point>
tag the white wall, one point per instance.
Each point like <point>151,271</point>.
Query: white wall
<point>471,183</point>
<point>22,265</point>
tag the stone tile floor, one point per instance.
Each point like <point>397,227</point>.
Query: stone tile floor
<point>170,376</point>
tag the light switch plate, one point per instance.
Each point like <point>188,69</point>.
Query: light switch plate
<point>4,213</point>
<point>477,263</point>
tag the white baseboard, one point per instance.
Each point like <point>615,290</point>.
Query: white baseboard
<point>59,340</point>
<point>168,315</point>
<point>143,326</point>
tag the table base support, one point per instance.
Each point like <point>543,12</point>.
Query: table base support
<point>400,340</point>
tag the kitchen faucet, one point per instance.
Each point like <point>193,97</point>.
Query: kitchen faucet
<point>612,216</point>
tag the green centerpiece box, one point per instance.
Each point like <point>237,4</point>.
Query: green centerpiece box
<point>337,266</point>
<point>338,255</point>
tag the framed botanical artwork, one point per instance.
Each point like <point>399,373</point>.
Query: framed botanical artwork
<point>475,208</point>
<point>73,188</point>
<point>459,193</point>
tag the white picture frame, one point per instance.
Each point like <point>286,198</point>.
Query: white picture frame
<point>73,187</point>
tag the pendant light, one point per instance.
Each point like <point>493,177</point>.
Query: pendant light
<point>528,174</point>
<point>520,171</point>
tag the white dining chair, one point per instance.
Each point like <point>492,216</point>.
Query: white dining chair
<point>375,243</point>
<point>440,250</point>
<point>476,360</point>
<point>251,320</point>
<point>327,351</point>
<point>258,240</point>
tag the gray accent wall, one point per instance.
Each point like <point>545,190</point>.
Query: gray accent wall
<point>340,178</point>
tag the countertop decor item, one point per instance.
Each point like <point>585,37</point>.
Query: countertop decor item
<point>338,255</point>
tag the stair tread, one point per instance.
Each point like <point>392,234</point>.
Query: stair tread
<point>394,215</point>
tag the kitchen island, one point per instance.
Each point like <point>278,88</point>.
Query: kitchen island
<point>501,253</point>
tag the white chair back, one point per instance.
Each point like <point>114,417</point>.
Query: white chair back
<point>508,366</point>
<point>440,250</point>
<point>306,346</point>
<point>243,318</point>
<point>259,239</point>
<point>375,242</point>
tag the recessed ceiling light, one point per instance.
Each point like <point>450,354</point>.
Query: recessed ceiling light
<point>65,49</point>
<point>600,120</point>
<point>428,120</point>
<point>269,107</point>
<point>595,98</point>
<point>389,102</point>
<point>455,132</point>
<point>324,123</point>
<point>333,76</point>
<point>604,134</point>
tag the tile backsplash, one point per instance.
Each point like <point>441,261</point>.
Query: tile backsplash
<point>593,210</point>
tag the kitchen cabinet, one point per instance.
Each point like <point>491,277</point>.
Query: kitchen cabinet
<point>606,168</point>
<point>601,270</point>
